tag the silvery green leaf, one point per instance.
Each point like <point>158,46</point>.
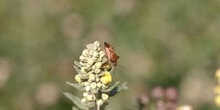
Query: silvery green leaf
<point>77,69</point>
<point>113,92</point>
<point>122,87</point>
<point>77,86</point>
<point>77,64</point>
<point>74,108</point>
<point>118,88</point>
<point>111,87</point>
<point>79,72</point>
<point>76,100</point>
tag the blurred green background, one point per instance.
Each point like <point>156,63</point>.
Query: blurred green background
<point>160,42</point>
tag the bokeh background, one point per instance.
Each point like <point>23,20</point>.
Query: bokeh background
<point>160,42</point>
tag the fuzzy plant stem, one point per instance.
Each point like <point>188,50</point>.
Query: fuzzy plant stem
<point>98,107</point>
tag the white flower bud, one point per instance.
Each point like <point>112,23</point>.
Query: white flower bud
<point>90,80</point>
<point>97,79</point>
<point>101,53</point>
<point>85,52</point>
<point>88,66</point>
<point>100,59</point>
<point>95,48</point>
<point>81,57</point>
<point>89,46</point>
<point>93,67</point>
<point>99,84</point>
<point>87,88</point>
<point>78,78</point>
<point>99,48</point>
<point>95,59</point>
<point>105,96</point>
<point>83,100</point>
<point>96,43</point>
<point>90,61</point>
<point>90,97</point>
<point>91,77</point>
<point>95,54</point>
<point>97,71</point>
<point>85,94</point>
<point>98,65</point>
<point>99,102</point>
<point>86,83</point>
<point>93,85</point>
<point>91,53</point>
<point>83,70</point>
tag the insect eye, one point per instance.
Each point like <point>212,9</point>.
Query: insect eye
<point>106,44</point>
<point>115,57</point>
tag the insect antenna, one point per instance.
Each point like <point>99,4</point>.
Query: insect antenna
<point>120,66</point>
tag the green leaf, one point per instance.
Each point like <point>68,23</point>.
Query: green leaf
<point>76,100</point>
<point>117,89</point>
<point>76,85</point>
<point>77,69</point>
<point>79,72</point>
<point>122,87</point>
<point>74,108</point>
<point>77,64</point>
<point>111,87</point>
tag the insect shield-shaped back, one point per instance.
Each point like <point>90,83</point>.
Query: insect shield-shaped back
<point>110,53</point>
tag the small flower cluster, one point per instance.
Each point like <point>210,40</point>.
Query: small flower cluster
<point>91,77</point>
<point>217,88</point>
<point>94,78</point>
<point>159,99</point>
